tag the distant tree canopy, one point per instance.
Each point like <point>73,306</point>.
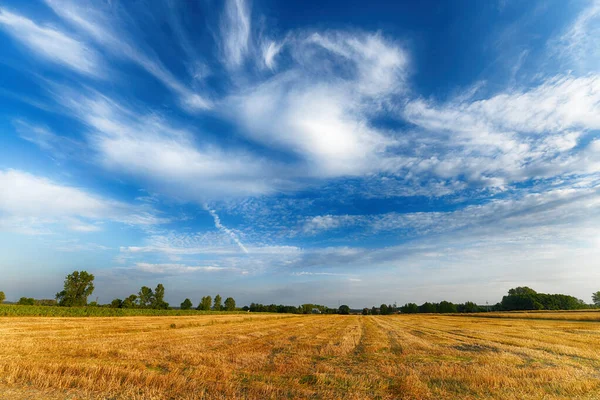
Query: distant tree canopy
<point>229,304</point>
<point>205,303</point>
<point>77,288</point>
<point>26,301</point>
<point>218,303</point>
<point>146,298</point>
<point>596,298</point>
<point>446,307</point>
<point>524,298</point>
<point>344,309</point>
<point>2,297</point>
<point>186,305</point>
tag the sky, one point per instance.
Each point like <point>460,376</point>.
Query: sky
<point>331,152</point>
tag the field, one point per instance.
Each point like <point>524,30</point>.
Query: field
<point>294,356</point>
<point>11,310</point>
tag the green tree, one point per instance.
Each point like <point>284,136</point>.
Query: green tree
<point>205,303</point>
<point>130,302</point>
<point>145,297</point>
<point>26,301</point>
<point>186,305</point>
<point>2,297</point>
<point>427,308</point>
<point>470,307</point>
<point>384,309</point>
<point>158,301</point>
<point>595,298</point>
<point>447,307</point>
<point>365,311</point>
<point>116,303</point>
<point>409,308</point>
<point>218,304</point>
<point>344,309</point>
<point>230,304</point>
<point>78,287</point>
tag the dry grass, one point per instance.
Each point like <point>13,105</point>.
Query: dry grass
<point>566,315</point>
<point>275,356</point>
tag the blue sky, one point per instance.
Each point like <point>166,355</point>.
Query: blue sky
<point>290,152</point>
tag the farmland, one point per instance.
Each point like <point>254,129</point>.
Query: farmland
<point>296,356</point>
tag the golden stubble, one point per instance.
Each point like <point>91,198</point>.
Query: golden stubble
<point>262,356</point>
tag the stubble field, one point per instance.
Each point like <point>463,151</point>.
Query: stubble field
<point>289,356</point>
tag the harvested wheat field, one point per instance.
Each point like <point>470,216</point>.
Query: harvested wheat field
<point>293,356</point>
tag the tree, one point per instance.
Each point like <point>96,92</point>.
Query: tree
<point>218,303</point>
<point>158,301</point>
<point>344,309</point>
<point>383,309</point>
<point>116,303</point>
<point>595,298</point>
<point>145,297</point>
<point>447,307</point>
<point>26,301</point>
<point>186,305</point>
<point>409,308</point>
<point>78,287</point>
<point>427,308</point>
<point>470,307</point>
<point>230,304</point>
<point>365,311</point>
<point>205,303</point>
<point>130,302</point>
<point>2,297</point>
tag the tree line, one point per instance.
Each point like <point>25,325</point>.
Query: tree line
<point>79,285</point>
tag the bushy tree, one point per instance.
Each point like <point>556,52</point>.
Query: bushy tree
<point>218,303</point>
<point>230,304</point>
<point>130,302</point>
<point>2,297</point>
<point>596,298</point>
<point>409,308</point>
<point>116,303</point>
<point>26,301</point>
<point>158,301</point>
<point>446,307</point>
<point>205,303</point>
<point>428,308</point>
<point>78,287</point>
<point>145,297</point>
<point>470,307</point>
<point>344,309</point>
<point>384,309</point>
<point>186,305</point>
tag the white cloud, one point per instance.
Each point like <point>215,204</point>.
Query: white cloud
<point>512,136</point>
<point>235,32</point>
<point>106,28</point>
<point>52,44</point>
<point>578,46</point>
<point>227,231</point>
<point>321,223</point>
<point>321,114</point>
<point>270,50</point>
<point>173,269</point>
<point>147,146</point>
<point>29,202</point>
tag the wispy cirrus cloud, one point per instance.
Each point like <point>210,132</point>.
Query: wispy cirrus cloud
<point>150,147</point>
<point>235,32</point>
<point>53,44</point>
<point>32,204</point>
<point>103,24</point>
<point>578,45</point>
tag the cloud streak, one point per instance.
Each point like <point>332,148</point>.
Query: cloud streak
<point>52,44</point>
